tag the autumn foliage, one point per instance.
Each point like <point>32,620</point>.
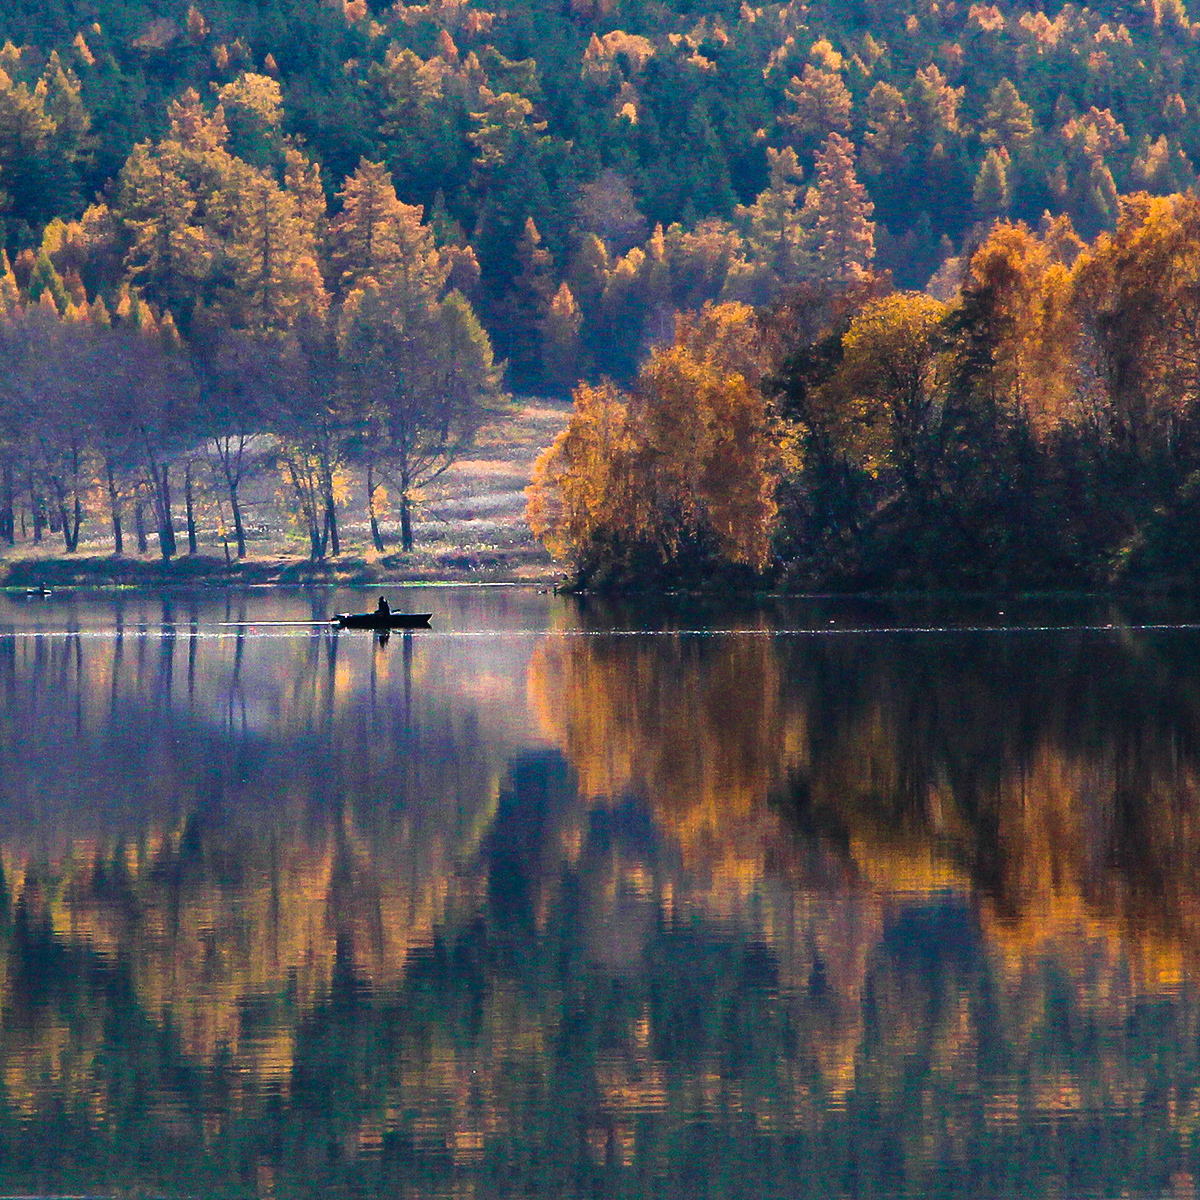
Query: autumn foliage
<point>684,468</point>
<point>1039,425</point>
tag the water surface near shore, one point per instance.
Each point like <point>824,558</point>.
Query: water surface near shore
<point>566,898</point>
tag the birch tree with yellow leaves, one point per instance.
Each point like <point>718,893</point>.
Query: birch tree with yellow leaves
<point>679,475</point>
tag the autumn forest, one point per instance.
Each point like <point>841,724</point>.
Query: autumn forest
<point>848,295</point>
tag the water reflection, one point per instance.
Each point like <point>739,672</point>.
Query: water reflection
<point>551,912</point>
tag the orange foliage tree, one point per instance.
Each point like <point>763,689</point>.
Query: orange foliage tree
<point>682,470</point>
<point>1139,299</point>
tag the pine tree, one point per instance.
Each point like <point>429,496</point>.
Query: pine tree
<point>45,280</point>
<point>192,128</point>
<point>821,104</point>
<point>992,193</point>
<point>252,106</point>
<point>775,233</point>
<point>843,232</point>
<point>171,253</point>
<point>560,341</point>
<point>528,303</point>
<point>589,270</point>
<point>1008,120</point>
<point>197,26</point>
<point>403,88</point>
<point>706,184</point>
<point>10,292</point>
<point>935,105</point>
<point>377,237</point>
<point>272,250</point>
<point>302,177</point>
<point>889,129</point>
<point>504,122</point>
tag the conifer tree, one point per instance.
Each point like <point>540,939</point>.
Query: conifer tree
<point>505,121</point>
<point>992,193</point>
<point>404,88</point>
<point>302,177</point>
<point>197,26</point>
<point>171,253</point>
<point>821,105</point>
<point>45,280</point>
<point>1008,120</point>
<point>377,237</point>
<point>10,291</point>
<point>775,233</point>
<point>589,271</point>
<point>560,341</point>
<point>889,129</point>
<point>843,233</point>
<point>272,252</point>
<point>527,304</point>
<point>705,183</point>
<point>252,106</point>
<point>935,104</point>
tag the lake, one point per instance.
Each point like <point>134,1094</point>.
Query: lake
<point>565,899</point>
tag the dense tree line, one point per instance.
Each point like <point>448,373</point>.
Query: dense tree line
<point>1041,429</point>
<point>206,184</point>
<point>317,345</point>
<point>611,161</point>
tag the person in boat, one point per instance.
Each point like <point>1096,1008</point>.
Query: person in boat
<point>384,609</point>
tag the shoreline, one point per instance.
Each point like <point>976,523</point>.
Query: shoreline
<point>104,572</point>
<point>107,571</point>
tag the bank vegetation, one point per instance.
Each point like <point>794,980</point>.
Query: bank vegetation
<point>1039,430</point>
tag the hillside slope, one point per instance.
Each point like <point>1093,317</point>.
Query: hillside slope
<point>602,120</point>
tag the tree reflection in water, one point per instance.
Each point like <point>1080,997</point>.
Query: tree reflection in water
<point>577,914</point>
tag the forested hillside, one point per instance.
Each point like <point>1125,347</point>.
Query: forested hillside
<point>323,239</point>
<point>609,161</point>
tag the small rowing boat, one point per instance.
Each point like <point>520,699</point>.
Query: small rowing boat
<point>382,620</point>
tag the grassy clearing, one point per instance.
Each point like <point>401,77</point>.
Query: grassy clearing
<point>469,526</point>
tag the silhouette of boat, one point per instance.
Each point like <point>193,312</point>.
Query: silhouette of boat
<point>378,620</point>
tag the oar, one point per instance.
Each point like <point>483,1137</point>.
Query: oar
<point>291,624</point>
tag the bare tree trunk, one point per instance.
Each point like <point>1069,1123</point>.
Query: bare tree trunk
<point>406,533</point>
<point>70,519</point>
<point>72,538</point>
<point>335,544</point>
<point>8,523</point>
<point>139,524</point>
<point>239,529</point>
<point>65,522</point>
<point>166,527</point>
<point>231,467</point>
<point>331,529</point>
<point>37,509</point>
<point>76,503</point>
<point>114,507</point>
<point>306,495</point>
<point>376,536</point>
<point>188,503</point>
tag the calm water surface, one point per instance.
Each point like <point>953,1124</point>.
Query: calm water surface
<point>561,901</point>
